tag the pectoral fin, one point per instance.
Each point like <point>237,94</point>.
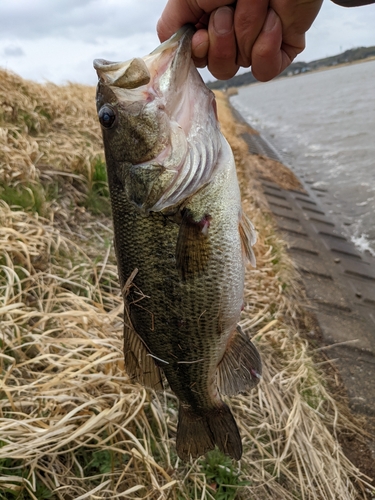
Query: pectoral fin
<point>241,367</point>
<point>139,364</point>
<point>139,182</point>
<point>248,238</point>
<point>193,246</point>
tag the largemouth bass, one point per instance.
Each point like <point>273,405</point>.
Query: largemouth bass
<point>181,240</point>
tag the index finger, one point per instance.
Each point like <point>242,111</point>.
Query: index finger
<point>179,12</point>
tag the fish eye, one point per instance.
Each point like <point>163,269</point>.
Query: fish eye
<point>106,116</point>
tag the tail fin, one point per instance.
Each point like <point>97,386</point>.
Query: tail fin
<point>197,434</point>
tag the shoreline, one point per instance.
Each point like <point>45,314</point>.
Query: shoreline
<point>327,68</point>
<point>349,63</point>
<point>318,70</point>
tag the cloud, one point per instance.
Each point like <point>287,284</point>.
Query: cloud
<point>64,36</point>
<point>88,20</point>
<point>51,59</point>
<point>337,29</point>
<point>13,51</point>
<point>60,38</point>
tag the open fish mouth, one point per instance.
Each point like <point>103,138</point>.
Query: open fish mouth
<point>170,61</point>
<point>160,111</point>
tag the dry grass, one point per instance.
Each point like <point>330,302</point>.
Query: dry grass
<point>72,426</point>
<point>45,125</point>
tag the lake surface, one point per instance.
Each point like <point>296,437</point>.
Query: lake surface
<point>323,126</point>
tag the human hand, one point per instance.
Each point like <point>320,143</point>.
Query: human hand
<point>266,34</point>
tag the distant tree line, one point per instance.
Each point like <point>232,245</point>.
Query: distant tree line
<point>299,67</point>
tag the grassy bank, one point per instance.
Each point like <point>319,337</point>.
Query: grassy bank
<point>72,426</point>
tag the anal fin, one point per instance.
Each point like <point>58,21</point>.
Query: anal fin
<point>139,364</point>
<point>241,367</point>
<point>248,237</point>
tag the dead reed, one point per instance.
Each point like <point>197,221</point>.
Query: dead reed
<point>72,426</point>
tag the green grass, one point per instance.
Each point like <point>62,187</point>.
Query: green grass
<point>94,461</point>
<point>35,197</point>
<point>29,196</point>
<point>223,478</point>
<point>97,200</point>
<point>19,491</point>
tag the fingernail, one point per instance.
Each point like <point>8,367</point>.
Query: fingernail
<point>270,21</point>
<point>223,20</point>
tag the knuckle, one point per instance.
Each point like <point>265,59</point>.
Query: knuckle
<point>201,62</point>
<point>221,72</point>
<point>244,60</point>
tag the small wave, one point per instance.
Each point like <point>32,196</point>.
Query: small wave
<point>320,184</point>
<point>316,147</point>
<point>363,243</point>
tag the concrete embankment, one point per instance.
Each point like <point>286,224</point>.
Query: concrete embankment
<point>339,281</point>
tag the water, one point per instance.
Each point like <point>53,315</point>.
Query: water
<point>323,124</point>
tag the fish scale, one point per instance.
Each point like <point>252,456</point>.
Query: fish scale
<point>181,257</point>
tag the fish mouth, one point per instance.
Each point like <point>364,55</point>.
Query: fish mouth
<point>167,65</point>
<point>163,134</point>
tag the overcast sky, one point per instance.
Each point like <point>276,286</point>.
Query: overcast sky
<point>57,40</point>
